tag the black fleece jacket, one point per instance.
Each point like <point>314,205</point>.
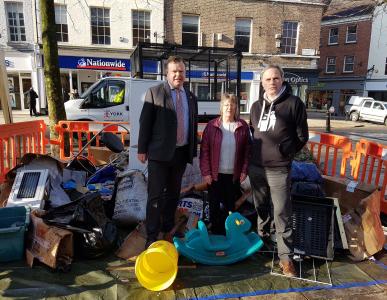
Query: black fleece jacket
<point>286,134</point>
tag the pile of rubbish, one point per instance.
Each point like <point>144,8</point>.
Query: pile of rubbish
<point>78,209</point>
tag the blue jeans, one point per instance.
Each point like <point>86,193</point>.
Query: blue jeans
<point>271,194</point>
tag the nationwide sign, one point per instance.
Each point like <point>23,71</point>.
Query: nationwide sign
<point>94,63</point>
<point>101,64</point>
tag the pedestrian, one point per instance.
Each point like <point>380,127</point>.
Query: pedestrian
<point>224,155</point>
<point>168,141</point>
<point>280,129</point>
<point>31,100</point>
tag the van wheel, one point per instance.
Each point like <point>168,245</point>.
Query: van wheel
<point>354,116</point>
<point>385,121</point>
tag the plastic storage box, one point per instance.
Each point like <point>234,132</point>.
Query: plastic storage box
<point>13,224</point>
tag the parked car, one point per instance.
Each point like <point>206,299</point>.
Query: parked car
<point>368,110</point>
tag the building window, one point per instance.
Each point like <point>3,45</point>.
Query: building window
<point>385,68</point>
<point>289,37</point>
<point>348,63</point>
<point>15,16</point>
<point>100,25</point>
<point>351,34</point>
<point>331,65</point>
<point>141,26</point>
<point>242,34</point>
<point>190,30</point>
<point>61,23</point>
<point>333,36</point>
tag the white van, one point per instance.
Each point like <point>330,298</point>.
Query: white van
<point>108,100</point>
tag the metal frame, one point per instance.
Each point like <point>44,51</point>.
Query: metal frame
<point>213,56</point>
<point>273,272</point>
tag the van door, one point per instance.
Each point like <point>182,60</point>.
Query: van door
<point>379,112</point>
<point>366,111</point>
<point>106,102</point>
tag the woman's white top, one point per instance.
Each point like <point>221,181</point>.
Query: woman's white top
<point>227,150</point>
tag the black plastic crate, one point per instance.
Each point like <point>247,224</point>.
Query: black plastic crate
<point>313,226</point>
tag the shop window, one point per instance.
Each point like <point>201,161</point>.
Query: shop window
<point>100,25</point>
<point>141,26</point>
<point>108,93</point>
<point>351,36</point>
<point>331,65</point>
<point>289,37</point>
<point>15,18</point>
<point>242,34</point>
<point>190,30</point>
<point>348,63</point>
<point>61,23</point>
<point>333,36</point>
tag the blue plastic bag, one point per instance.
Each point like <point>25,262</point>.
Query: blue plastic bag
<point>305,171</point>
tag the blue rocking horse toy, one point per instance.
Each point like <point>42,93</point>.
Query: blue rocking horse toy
<point>236,245</point>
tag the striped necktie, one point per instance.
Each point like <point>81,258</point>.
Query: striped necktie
<point>180,118</point>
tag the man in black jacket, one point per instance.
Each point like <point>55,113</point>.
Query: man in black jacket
<point>168,140</point>
<point>31,100</point>
<point>280,130</point>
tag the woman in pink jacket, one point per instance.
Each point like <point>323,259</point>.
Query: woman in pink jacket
<point>223,159</point>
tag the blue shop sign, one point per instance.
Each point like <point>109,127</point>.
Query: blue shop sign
<point>102,63</point>
<point>123,65</point>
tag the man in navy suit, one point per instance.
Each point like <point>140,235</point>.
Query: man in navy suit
<point>168,141</point>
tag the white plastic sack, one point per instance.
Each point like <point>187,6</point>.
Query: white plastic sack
<point>192,174</point>
<point>191,206</point>
<point>131,198</point>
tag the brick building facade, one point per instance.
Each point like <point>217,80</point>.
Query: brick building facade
<point>280,32</point>
<point>344,51</point>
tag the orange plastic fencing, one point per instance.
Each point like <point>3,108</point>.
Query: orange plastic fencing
<point>18,139</point>
<point>369,165</point>
<point>81,132</point>
<point>332,152</point>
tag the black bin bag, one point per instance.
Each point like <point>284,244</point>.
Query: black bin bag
<point>94,233</point>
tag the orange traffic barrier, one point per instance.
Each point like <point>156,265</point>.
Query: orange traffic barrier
<point>81,132</point>
<point>329,150</point>
<point>369,165</point>
<point>18,139</point>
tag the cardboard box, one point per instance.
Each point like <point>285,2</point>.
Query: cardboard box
<point>361,215</point>
<point>101,155</point>
<point>51,245</point>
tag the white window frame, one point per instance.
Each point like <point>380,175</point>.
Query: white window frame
<point>142,26</point>
<point>19,30</point>
<point>61,19</point>
<point>250,33</point>
<point>105,36</point>
<point>191,32</point>
<point>347,35</point>
<point>327,64</point>
<point>330,36</point>
<point>345,64</point>
<point>283,45</point>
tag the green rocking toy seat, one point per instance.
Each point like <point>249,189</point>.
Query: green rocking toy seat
<point>236,245</point>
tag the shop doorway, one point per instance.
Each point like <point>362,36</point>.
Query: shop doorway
<point>25,85</point>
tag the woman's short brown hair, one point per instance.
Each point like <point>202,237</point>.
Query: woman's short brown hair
<point>233,99</point>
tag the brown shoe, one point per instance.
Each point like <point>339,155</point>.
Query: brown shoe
<point>288,268</point>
